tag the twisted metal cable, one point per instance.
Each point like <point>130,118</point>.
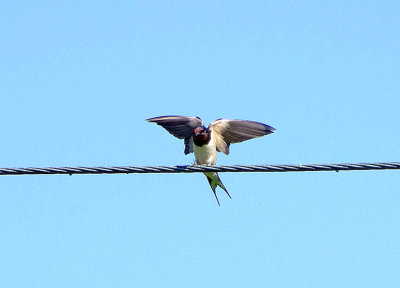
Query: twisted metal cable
<point>199,168</point>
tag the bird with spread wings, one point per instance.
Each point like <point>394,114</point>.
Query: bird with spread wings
<point>206,142</point>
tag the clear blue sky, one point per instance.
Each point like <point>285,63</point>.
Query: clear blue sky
<point>77,81</point>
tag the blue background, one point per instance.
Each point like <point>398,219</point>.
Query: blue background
<point>77,81</point>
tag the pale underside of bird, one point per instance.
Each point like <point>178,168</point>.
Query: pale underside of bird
<point>206,142</point>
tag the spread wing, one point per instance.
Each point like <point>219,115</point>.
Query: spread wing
<point>179,126</point>
<point>227,131</point>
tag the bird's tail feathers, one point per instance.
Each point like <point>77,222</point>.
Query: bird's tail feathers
<point>214,181</point>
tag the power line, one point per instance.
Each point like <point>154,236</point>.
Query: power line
<point>199,168</point>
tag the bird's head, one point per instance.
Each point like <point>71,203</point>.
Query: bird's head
<point>201,136</point>
<point>200,131</point>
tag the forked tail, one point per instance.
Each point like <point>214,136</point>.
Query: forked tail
<point>214,181</point>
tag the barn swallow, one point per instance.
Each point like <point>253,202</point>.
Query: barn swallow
<point>206,142</point>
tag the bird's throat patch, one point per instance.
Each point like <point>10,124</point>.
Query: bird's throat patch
<point>201,139</point>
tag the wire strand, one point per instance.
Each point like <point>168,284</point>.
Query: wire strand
<point>199,168</point>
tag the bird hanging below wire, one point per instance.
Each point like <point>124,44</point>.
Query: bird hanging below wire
<point>205,142</point>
